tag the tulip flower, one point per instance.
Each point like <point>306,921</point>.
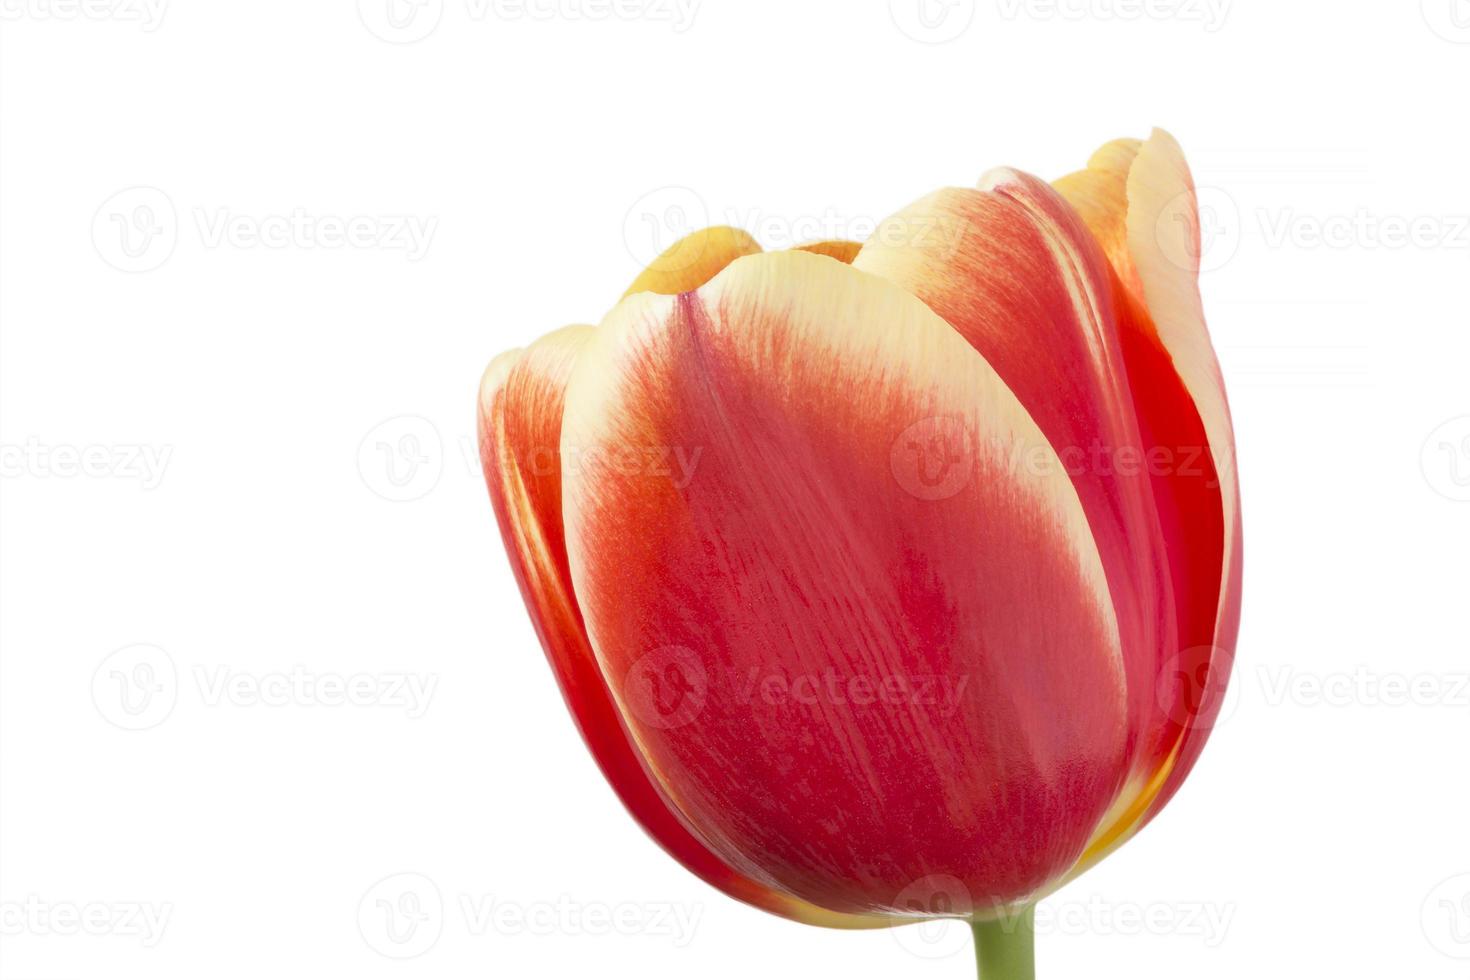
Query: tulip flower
<point>893,580</point>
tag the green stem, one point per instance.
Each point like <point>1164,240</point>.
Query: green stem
<point>1005,948</point>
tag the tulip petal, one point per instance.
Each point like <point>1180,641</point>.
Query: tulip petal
<point>1187,492</point>
<point>865,638</point>
<point>520,413</point>
<point>1019,276</point>
<point>838,248</point>
<point>1099,194</point>
<point>694,260</point>
<point>1138,199</point>
<point>1163,225</point>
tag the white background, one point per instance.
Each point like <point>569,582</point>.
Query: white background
<point>238,454</point>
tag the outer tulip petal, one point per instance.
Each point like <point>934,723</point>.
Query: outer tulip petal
<point>868,641</point>
<point>1187,492</point>
<point>1163,238</point>
<point>694,260</point>
<point>520,415</point>
<point>1138,200</point>
<point>1027,286</point>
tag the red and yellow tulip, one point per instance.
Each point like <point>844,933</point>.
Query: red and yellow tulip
<point>863,567</point>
